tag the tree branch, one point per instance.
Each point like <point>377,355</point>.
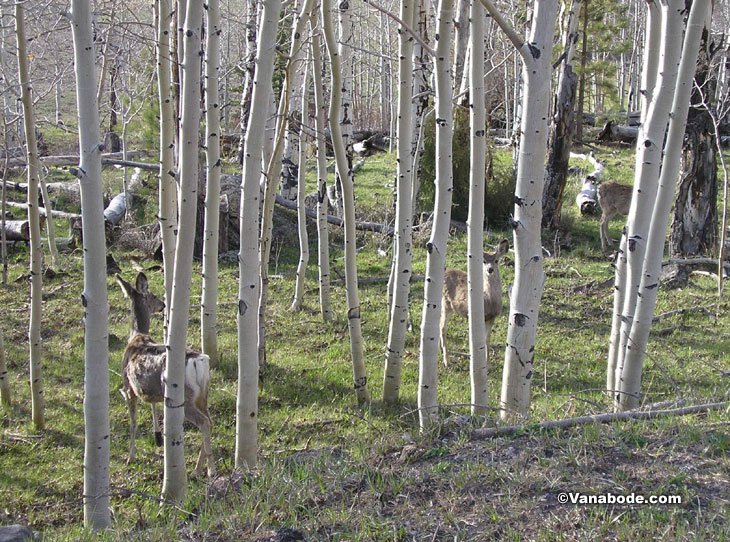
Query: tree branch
<point>510,32</point>
<point>597,418</point>
<point>404,25</point>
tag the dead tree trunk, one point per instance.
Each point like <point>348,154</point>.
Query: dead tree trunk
<point>694,220</point>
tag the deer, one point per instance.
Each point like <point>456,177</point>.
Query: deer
<point>143,368</point>
<point>614,198</point>
<point>456,295</point>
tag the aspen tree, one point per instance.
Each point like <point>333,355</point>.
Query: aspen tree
<point>436,246</point>
<point>402,246</point>
<point>94,297</point>
<point>4,377</point>
<point>36,249</point>
<point>323,249</point>
<point>209,299</point>
<point>648,163</point>
<point>478,340</point>
<point>344,172</point>
<point>650,62</point>
<point>167,212</point>
<point>535,52</point>
<point>629,380</point>
<point>249,285</point>
<point>175,476</point>
<point>301,193</point>
<point>273,170</point>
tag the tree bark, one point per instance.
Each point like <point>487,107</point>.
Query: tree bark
<point>478,340</point>
<point>209,298</point>
<point>648,163</point>
<point>301,194</point>
<point>694,221</point>
<point>5,398</point>
<point>249,285</point>
<point>338,119</point>
<point>94,297</point>
<point>36,249</point>
<point>167,212</point>
<point>629,381</point>
<point>273,171</point>
<point>402,244</point>
<point>529,274</point>
<point>650,61</point>
<point>562,127</point>
<point>436,246</point>
<point>175,475</point>
<point>323,249</point>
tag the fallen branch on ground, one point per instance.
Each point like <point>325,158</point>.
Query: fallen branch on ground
<point>597,418</point>
<point>706,308</point>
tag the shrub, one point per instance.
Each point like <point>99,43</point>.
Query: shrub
<point>500,185</point>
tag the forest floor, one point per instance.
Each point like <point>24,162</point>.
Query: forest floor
<point>330,470</point>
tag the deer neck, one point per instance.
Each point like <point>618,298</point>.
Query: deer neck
<point>492,285</point>
<point>140,322</point>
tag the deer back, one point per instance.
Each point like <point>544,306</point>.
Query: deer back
<point>614,197</point>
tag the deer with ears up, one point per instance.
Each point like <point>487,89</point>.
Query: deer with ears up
<point>455,297</point>
<point>143,368</point>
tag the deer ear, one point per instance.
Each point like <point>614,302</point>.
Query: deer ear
<point>502,248</point>
<point>124,285</point>
<point>141,282</point>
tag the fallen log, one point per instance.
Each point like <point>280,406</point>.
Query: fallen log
<point>364,226</point>
<point>17,230</point>
<point>73,160</point>
<point>596,418</point>
<point>613,132</point>
<point>116,210</point>
<point>42,210</point>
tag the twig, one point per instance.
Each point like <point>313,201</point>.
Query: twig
<point>705,308</point>
<point>597,418</point>
<point>405,26</point>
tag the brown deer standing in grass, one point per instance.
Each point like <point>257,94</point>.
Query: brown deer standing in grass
<point>456,295</point>
<point>614,198</point>
<point>143,368</point>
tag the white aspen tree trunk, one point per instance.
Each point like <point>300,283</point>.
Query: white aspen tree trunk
<point>249,62</point>
<point>323,249</point>
<point>249,285</point>
<point>402,253</point>
<point>344,170</point>
<point>273,172</point>
<point>94,297</point>
<point>50,225</point>
<point>209,299</point>
<point>344,9</point>
<point>648,163</point>
<point>529,274</point>
<point>436,246</point>
<point>384,76</point>
<point>36,249</point>
<point>175,476</point>
<point>629,381</point>
<point>421,94</point>
<point>5,397</point>
<point>478,340</point>
<point>292,135</point>
<point>301,194</point>
<point>167,211</point>
<point>650,64</point>
<point>461,42</point>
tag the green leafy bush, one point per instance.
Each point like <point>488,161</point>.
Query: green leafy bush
<point>500,185</point>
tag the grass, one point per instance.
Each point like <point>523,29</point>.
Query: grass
<point>333,471</point>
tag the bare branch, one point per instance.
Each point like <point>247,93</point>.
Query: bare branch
<point>403,25</point>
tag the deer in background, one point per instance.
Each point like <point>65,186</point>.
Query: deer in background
<point>614,198</point>
<point>143,369</point>
<point>455,297</point>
